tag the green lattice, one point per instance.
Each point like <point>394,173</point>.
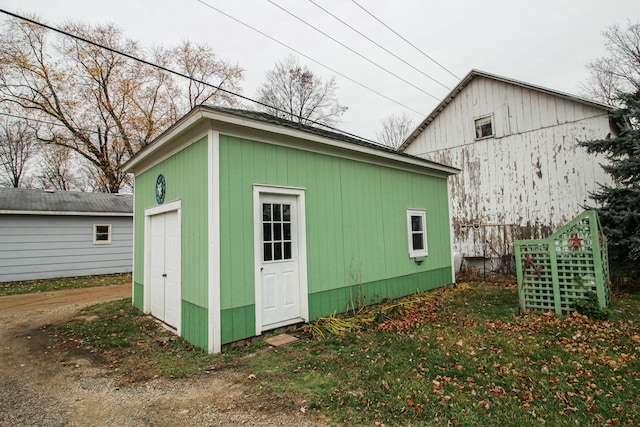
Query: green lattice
<point>554,272</point>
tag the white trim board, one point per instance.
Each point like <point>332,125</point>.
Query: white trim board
<point>213,259</point>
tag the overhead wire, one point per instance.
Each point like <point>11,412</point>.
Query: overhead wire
<point>379,45</point>
<point>177,73</point>
<point>407,41</point>
<point>308,57</point>
<point>353,51</point>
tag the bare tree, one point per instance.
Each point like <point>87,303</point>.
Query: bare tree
<point>105,107</point>
<point>59,169</point>
<point>395,129</point>
<point>619,71</point>
<point>200,63</point>
<point>17,147</point>
<point>293,92</point>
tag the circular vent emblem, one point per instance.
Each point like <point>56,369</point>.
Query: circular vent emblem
<point>161,189</point>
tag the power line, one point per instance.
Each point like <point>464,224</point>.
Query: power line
<point>378,45</point>
<point>177,73</point>
<point>308,57</point>
<point>353,51</point>
<point>31,119</point>
<point>407,41</point>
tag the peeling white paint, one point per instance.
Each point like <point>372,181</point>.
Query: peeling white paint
<point>529,178</point>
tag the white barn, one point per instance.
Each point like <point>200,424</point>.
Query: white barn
<point>49,234</point>
<point>523,174</point>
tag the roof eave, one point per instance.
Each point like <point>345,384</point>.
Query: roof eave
<point>207,113</point>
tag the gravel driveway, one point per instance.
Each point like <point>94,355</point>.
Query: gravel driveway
<point>41,388</point>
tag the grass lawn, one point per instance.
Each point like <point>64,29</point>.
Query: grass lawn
<point>455,356</point>
<point>44,285</point>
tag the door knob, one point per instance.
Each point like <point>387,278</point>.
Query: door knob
<point>164,275</point>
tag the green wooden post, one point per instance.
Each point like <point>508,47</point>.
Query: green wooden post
<point>520,273</point>
<point>597,259</point>
<point>557,306</point>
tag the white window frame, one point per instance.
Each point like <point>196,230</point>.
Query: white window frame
<point>95,233</point>
<point>493,127</point>
<point>416,253</point>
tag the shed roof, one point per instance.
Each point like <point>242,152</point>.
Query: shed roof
<point>45,202</point>
<point>273,124</point>
<point>477,73</point>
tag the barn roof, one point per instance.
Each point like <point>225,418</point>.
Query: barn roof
<point>46,202</point>
<point>338,142</point>
<point>477,73</point>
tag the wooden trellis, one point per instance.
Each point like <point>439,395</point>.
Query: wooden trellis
<point>554,272</point>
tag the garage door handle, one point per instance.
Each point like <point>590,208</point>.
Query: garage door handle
<point>164,275</point>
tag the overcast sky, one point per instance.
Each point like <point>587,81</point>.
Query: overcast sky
<point>544,42</point>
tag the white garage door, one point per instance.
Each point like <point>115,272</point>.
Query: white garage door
<point>164,274</point>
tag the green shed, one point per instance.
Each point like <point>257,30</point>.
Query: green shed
<point>244,222</point>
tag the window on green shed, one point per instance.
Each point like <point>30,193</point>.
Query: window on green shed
<point>101,234</point>
<point>417,232</point>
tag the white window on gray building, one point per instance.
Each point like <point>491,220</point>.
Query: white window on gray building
<point>101,234</point>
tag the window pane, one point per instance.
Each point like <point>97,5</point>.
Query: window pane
<point>277,251</point>
<point>266,212</point>
<point>266,232</point>
<point>276,212</point>
<point>102,233</point>
<point>418,243</point>
<point>416,223</point>
<point>287,250</point>
<point>286,231</point>
<point>267,252</point>
<point>286,212</point>
<point>483,127</point>
<point>277,231</point>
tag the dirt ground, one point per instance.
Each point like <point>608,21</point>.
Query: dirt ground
<point>41,388</point>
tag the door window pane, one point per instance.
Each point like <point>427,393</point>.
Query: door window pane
<point>267,252</point>
<point>276,232</point>
<point>287,250</point>
<point>266,212</point>
<point>266,232</point>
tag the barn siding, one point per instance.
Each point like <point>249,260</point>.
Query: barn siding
<point>50,246</point>
<point>343,250</point>
<point>526,181</point>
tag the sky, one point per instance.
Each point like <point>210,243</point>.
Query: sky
<point>546,42</point>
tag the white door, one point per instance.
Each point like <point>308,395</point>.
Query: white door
<point>279,270</point>
<point>164,254</point>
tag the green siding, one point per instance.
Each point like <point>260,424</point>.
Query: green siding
<point>237,323</point>
<point>195,324</point>
<point>137,295</point>
<point>356,227</point>
<point>340,300</point>
<point>186,177</point>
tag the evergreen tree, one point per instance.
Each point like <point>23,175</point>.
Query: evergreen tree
<point>619,204</point>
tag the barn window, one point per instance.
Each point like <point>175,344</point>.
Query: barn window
<point>101,234</point>
<point>417,232</point>
<point>484,127</point>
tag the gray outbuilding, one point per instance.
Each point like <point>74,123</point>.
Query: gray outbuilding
<point>48,234</point>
